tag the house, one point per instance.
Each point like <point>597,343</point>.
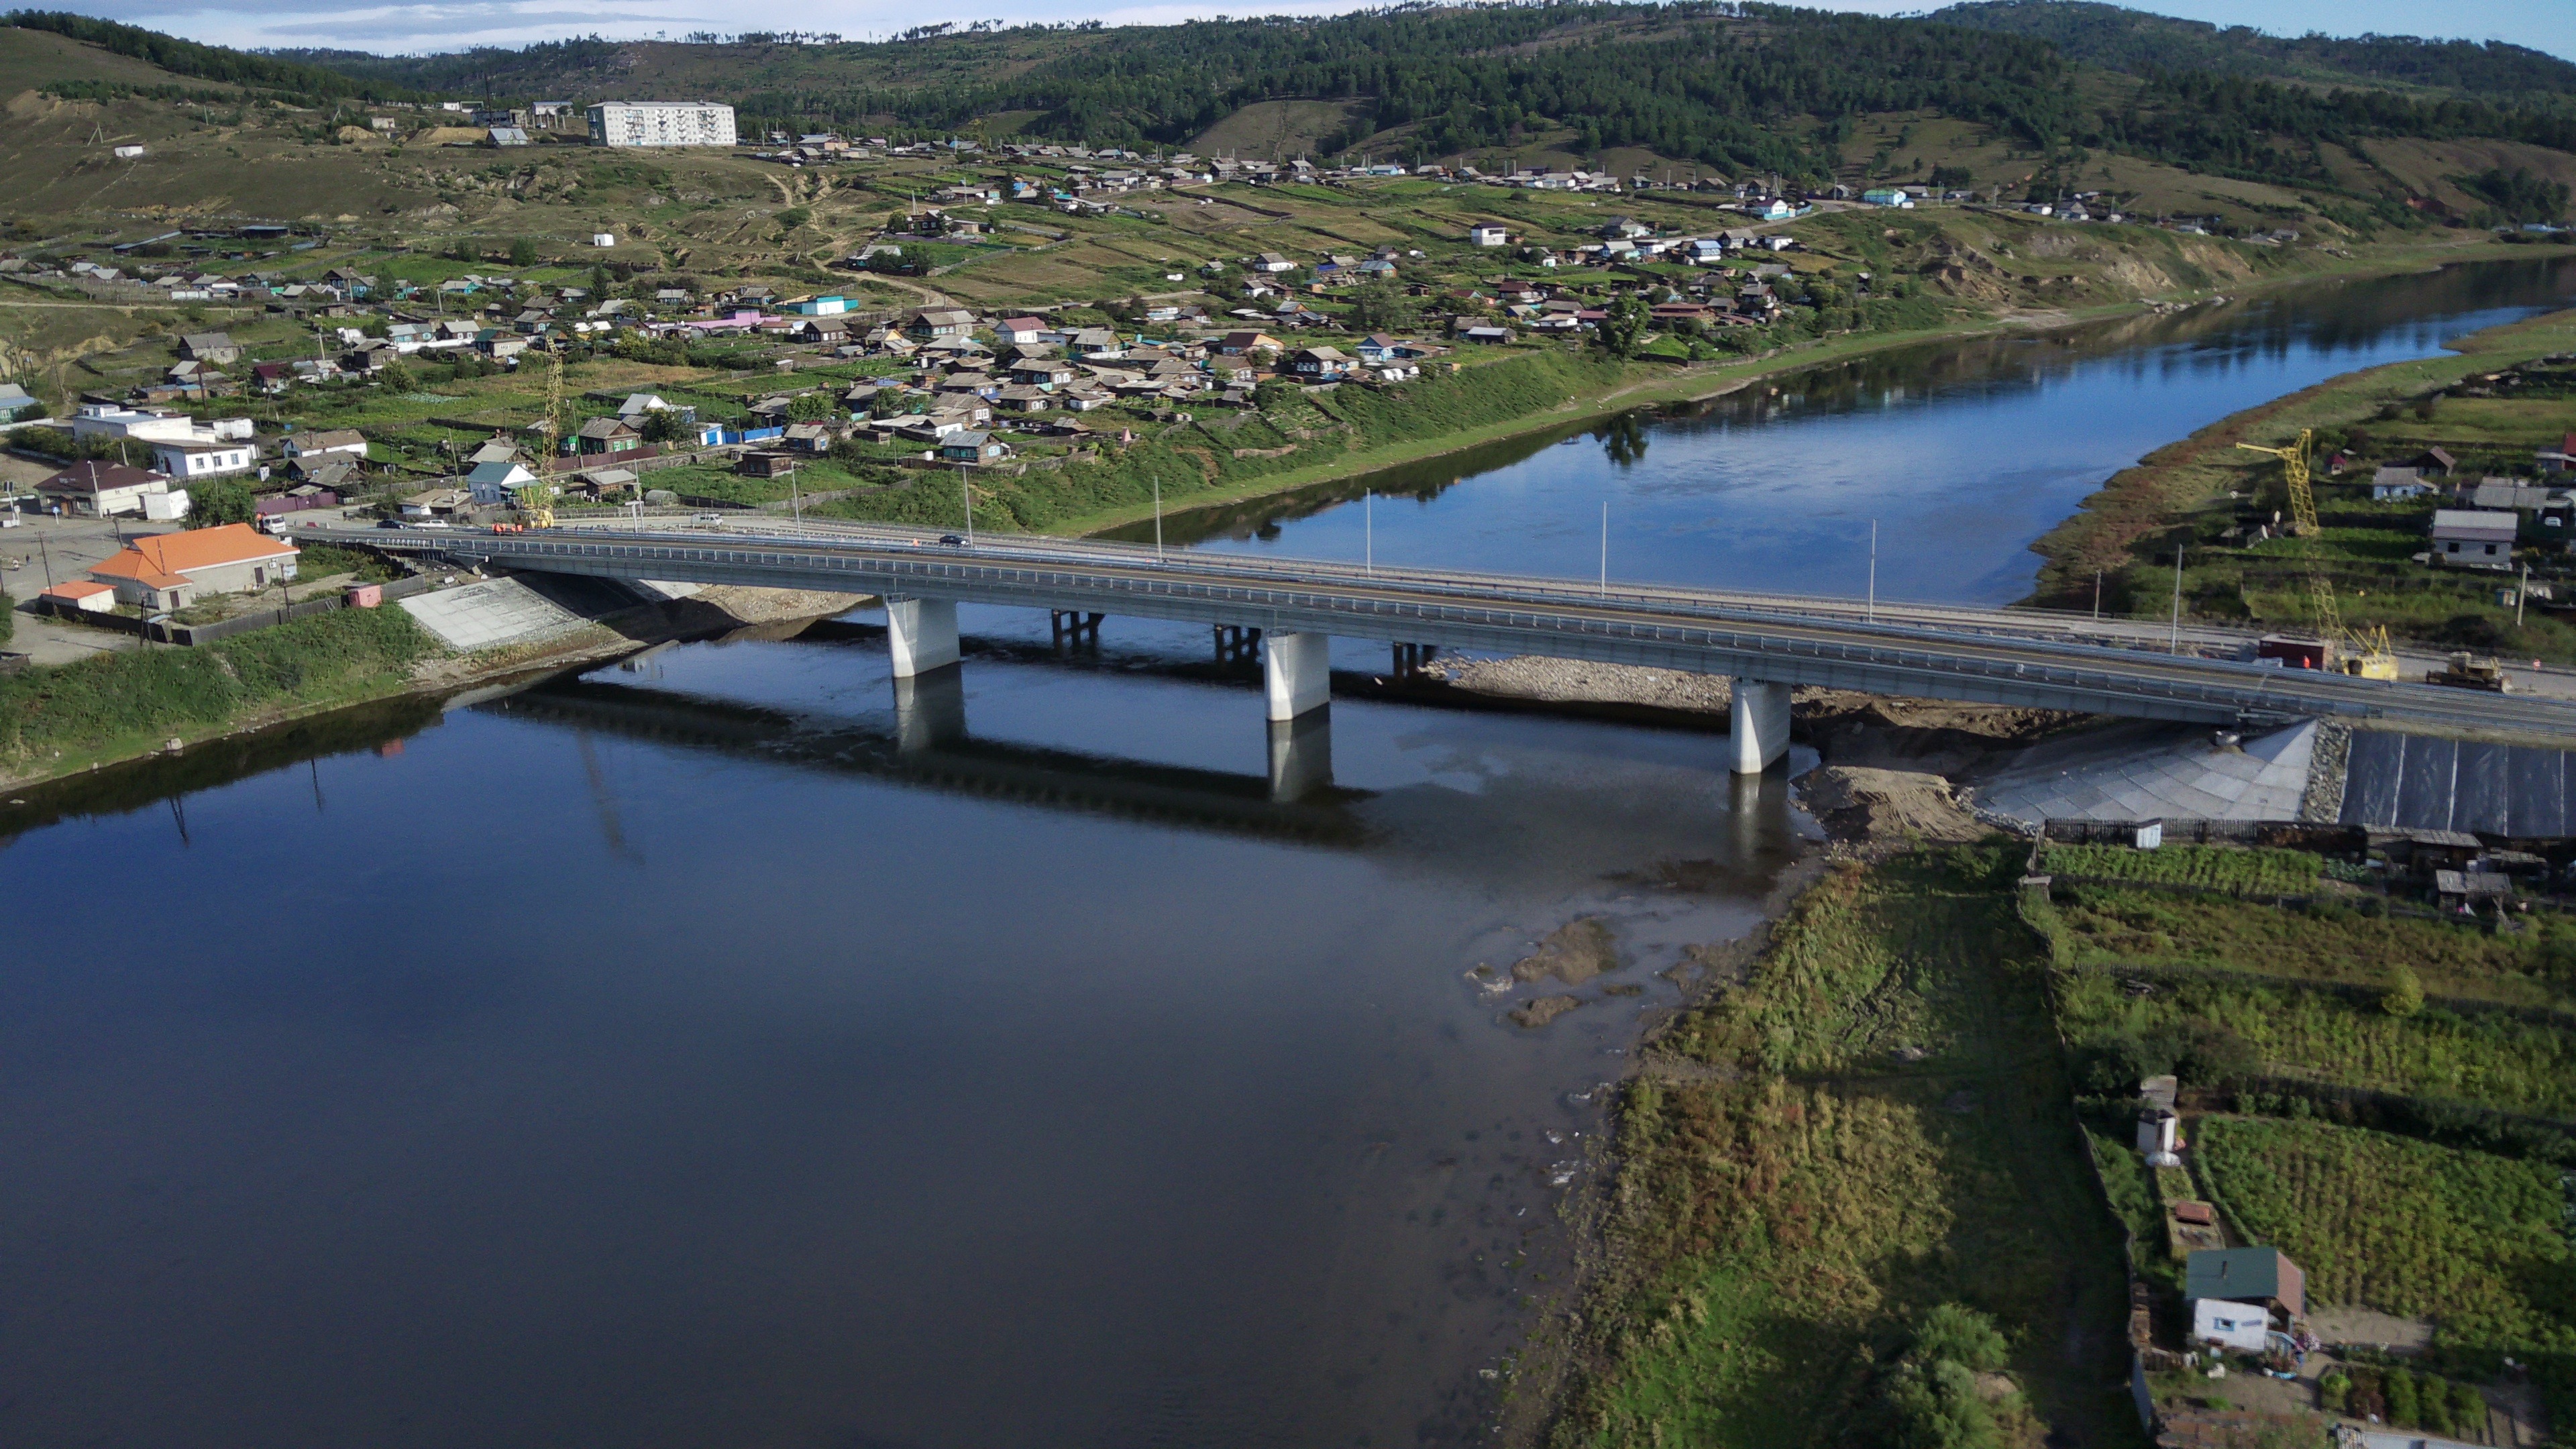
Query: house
<point>1023,398</point>
<point>497,483</point>
<point>969,446</point>
<point>1490,234</point>
<point>16,403</point>
<point>2235,1293</point>
<point>1244,344</point>
<point>99,490</point>
<point>2473,539</point>
<point>2436,462</point>
<point>1024,331</point>
<point>1319,363</point>
<point>1887,196</point>
<point>2560,459</point>
<point>933,323</point>
<point>2503,493</point>
<point>1043,372</point>
<point>348,441</point>
<point>194,459</point>
<point>172,570</point>
<point>1272,262</point>
<point>214,347</point>
<point>1484,333</point>
<point>605,435</point>
<point>808,438</point>
<point>435,503</point>
<point>2391,482</point>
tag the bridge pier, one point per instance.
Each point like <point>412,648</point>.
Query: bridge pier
<point>1297,673</point>
<point>1410,658</point>
<point>921,634</point>
<point>1236,644</point>
<point>1301,756</point>
<point>1757,731</point>
<point>1075,627</point>
<point>929,710</point>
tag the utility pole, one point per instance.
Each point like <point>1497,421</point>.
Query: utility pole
<point>967,492</point>
<point>1158,518</point>
<point>1605,548</point>
<point>1873,571</point>
<point>2521,594</point>
<point>2097,596</point>
<point>2173,641</point>
<point>1368,531</point>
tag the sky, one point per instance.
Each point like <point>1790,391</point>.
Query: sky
<point>427,25</point>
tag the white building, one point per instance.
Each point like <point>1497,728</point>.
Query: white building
<point>1488,235</point>
<point>661,123</point>
<point>193,459</point>
<point>2245,1327</point>
<point>106,420</point>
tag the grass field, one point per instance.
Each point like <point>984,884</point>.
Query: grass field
<point>2217,868</point>
<point>1778,1231</point>
<point>2108,926</point>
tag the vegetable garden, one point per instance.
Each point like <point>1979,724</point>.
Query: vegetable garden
<point>2474,1242</point>
<point>2205,867</point>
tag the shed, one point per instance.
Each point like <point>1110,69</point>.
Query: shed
<point>2244,1327</point>
<point>2247,1275</point>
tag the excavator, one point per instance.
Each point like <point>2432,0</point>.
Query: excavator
<point>2359,652</point>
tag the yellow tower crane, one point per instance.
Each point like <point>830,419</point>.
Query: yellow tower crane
<point>2363,653</point>
<point>536,500</point>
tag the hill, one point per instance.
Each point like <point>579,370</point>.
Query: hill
<point>2137,42</point>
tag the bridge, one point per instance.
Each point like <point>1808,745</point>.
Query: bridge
<point>1766,643</point>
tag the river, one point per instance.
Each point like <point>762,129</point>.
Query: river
<point>1961,453</point>
<point>729,1048</point>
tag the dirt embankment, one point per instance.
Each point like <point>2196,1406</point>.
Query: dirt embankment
<point>1888,765</point>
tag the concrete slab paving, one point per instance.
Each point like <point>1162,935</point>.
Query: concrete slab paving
<point>491,614</point>
<point>2145,771</point>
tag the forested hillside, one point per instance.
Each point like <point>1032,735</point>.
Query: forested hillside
<point>2137,42</point>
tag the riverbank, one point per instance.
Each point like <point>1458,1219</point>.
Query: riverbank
<point>2192,491</point>
<point>66,720</point>
<point>1819,1157</point>
<point>1647,384</point>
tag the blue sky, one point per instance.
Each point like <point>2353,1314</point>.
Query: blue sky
<point>419,25</point>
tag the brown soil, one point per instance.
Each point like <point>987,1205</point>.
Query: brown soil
<point>1858,803</point>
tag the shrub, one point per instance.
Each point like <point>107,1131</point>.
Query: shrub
<point>523,253</point>
<point>2333,1391</point>
<point>2468,1409</point>
<point>2433,1403</point>
<point>2403,1410</point>
<point>2405,993</point>
<point>1962,1334</point>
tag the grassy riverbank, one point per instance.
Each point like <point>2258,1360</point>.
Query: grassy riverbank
<point>1875,1124</point>
<point>59,720</point>
<point>2194,491</point>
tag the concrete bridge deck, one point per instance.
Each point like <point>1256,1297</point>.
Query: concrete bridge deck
<point>1767,643</point>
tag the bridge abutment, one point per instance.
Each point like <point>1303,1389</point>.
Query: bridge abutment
<point>921,634</point>
<point>1297,672</point>
<point>1757,732</point>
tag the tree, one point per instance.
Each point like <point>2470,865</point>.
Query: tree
<point>1381,307</point>
<point>1625,326</point>
<point>220,501</point>
<point>523,252</point>
<point>812,407</point>
<point>601,283</point>
<point>398,377</point>
<point>663,425</point>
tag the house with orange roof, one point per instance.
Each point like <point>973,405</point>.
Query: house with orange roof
<point>174,570</point>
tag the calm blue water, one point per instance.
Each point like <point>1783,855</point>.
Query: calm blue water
<point>1963,453</point>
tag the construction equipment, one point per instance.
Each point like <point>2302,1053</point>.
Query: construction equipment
<point>536,500</point>
<point>2365,653</point>
<point>2471,671</point>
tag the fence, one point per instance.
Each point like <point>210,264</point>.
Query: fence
<point>189,635</point>
<point>2345,840</point>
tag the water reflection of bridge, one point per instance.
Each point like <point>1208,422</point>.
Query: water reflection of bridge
<point>927,744</point>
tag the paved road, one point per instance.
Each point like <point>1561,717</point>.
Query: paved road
<point>1996,656</point>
